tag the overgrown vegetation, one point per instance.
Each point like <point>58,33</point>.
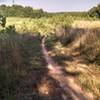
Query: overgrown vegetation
<point>19,56</point>
<point>95,12</point>
<point>2,21</point>
<point>20,11</point>
<point>75,47</point>
<point>90,46</point>
<point>10,11</point>
<point>78,51</point>
<point>41,25</point>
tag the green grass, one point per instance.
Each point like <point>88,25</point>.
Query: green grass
<point>20,55</point>
<point>42,25</point>
<point>20,52</point>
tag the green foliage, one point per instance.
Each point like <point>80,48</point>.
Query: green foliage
<point>7,31</point>
<point>20,11</point>
<point>10,29</point>
<point>91,48</point>
<point>95,12</point>
<point>87,43</point>
<point>51,40</point>
<point>2,21</point>
<point>19,55</point>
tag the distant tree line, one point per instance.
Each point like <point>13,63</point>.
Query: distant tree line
<point>20,11</point>
<point>95,11</point>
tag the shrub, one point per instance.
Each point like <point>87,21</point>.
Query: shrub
<point>2,21</point>
<point>90,45</point>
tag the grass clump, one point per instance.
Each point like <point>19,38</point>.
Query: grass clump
<point>79,56</point>
<point>19,56</point>
<point>90,46</point>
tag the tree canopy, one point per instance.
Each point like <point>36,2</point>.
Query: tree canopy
<point>95,11</point>
<point>2,21</point>
<point>20,11</point>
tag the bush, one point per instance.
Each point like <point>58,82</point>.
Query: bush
<point>90,46</point>
<point>2,21</point>
<point>11,63</point>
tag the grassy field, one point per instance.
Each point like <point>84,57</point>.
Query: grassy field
<point>73,42</point>
<point>20,56</point>
<point>42,25</point>
<point>48,55</point>
<point>78,52</point>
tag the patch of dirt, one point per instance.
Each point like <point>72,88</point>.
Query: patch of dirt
<point>49,83</point>
<point>67,83</point>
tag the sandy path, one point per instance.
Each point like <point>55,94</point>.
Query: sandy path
<point>67,83</point>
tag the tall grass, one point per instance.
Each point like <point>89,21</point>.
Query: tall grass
<point>86,24</point>
<point>19,55</point>
<point>84,41</point>
<point>41,25</point>
<point>10,65</point>
<point>90,45</point>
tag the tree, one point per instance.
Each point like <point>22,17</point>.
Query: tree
<point>2,21</point>
<point>95,12</point>
<point>20,11</point>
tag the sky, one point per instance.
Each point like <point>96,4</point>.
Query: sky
<point>56,5</point>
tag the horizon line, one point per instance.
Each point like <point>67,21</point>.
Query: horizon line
<point>62,11</point>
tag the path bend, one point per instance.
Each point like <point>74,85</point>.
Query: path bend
<point>67,83</point>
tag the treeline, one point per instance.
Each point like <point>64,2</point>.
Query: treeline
<point>95,11</point>
<point>75,14</point>
<point>20,11</point>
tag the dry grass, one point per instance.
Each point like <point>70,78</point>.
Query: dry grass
<point>84,48</point>
<point>87,40</point>
<point>86,24</point>
<point>90,45</point>
<point>88,75</point>
<point>88,78</point>
<point>19,56</point>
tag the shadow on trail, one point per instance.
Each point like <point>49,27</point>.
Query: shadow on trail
<point>36,84</point>
<point>48,82</point>
<point>69,90</point>
<point>33,75</point>
<point>61,59</point>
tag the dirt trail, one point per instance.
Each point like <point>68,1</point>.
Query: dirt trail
<point>67,83</point>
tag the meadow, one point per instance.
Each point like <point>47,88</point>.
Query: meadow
<point>43,25</point>
<point>77,49</point>
<point>73,42</point>
<point>20,56</point>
